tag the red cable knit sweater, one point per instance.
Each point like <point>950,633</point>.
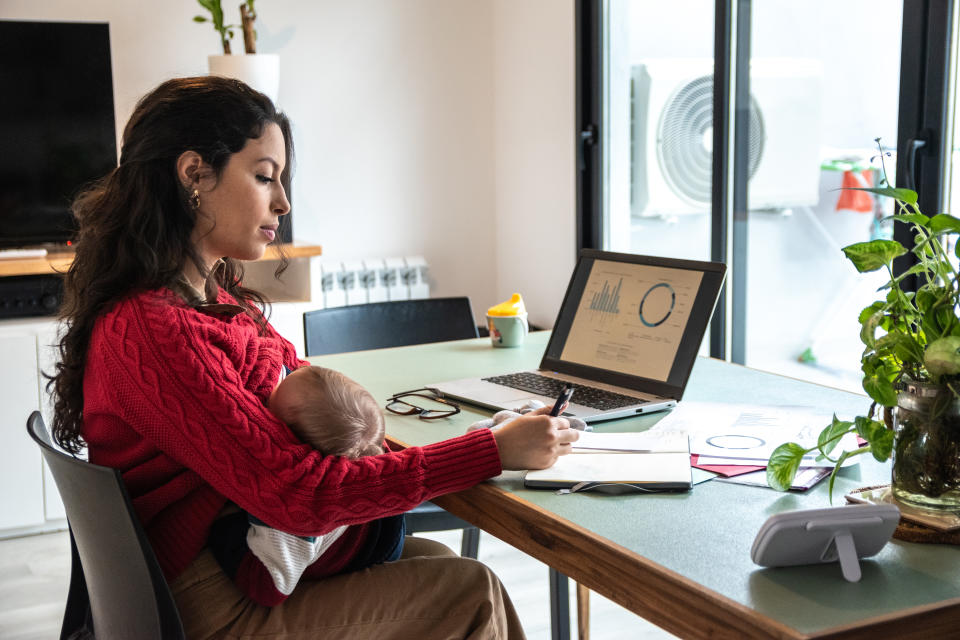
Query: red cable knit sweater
<point>175,398</point>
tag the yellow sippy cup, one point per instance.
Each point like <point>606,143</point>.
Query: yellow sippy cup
<point>507,322</point>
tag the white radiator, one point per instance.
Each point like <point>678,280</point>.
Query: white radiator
<point>319,283</point>
<point>369,280</point>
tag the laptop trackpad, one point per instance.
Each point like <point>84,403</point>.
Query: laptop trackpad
<point>495,394</point>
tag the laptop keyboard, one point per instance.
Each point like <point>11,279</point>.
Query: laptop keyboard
<point>592,397</point>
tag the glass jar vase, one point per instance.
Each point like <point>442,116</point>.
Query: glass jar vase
<point>926,447</point>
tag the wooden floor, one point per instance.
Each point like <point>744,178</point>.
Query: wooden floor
<point>35,571</point>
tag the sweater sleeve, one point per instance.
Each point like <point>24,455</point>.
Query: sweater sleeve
<point>167,371</point>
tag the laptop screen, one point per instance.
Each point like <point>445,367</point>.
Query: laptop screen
<point>631,318</point>
<point>634,321</point>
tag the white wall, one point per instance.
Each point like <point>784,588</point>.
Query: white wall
<point>434,127</point>
<point>534,75</point>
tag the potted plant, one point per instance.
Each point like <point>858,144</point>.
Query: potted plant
<point>259,70</point>
<point>910,363</point>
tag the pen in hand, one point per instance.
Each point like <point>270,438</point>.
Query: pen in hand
<point>562,400</point>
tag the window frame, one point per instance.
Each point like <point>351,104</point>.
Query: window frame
<point>923,109</point>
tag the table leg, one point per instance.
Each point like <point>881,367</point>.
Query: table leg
<point>559,606</point>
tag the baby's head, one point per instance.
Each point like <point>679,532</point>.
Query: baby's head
<point>330,412</point>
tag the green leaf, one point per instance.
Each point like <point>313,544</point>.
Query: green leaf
<point>833,474</point>
<point>946,318</point>
<point>873,255</point>
<point>877,435</point>
<point>830,436</point>
<point>199,19</point>
<point>910,218</point>
<point>880,390</point>
<point>867,428</point>
<point>869,311</point>
<point>917,268</point>
<point>882,445</point>
<point>944,222</point>
<point>906,195</point>
<point>942,357</point>
<point>925,297</point>
<point>783,464</point>
<point>904,346</point>
<point>868,331</point>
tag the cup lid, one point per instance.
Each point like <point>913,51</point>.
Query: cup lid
<point>512,307</point>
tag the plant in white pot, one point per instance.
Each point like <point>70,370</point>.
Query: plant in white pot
<point>910,363</point>
<point>259,70</point>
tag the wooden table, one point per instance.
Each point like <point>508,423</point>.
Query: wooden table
<point>682,561</point>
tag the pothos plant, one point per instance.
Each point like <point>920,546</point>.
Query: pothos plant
<point>248,15</point>
<point>907,336</point>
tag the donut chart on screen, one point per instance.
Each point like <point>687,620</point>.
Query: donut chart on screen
<point>657,304</point>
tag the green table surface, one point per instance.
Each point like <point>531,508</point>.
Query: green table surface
<point>706,534</point>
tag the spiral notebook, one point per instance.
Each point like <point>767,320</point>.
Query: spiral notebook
<point>649,461</point>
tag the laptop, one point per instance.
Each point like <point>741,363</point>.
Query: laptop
<point>626,337</point>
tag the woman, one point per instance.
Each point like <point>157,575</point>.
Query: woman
<point>167,364</point>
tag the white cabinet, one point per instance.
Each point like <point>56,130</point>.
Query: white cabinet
<point>47,357</point>
<point>29,500</point>
<point>21,469</point>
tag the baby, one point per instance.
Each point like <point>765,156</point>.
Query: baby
<point>330,412</point>
<point>338,417</point>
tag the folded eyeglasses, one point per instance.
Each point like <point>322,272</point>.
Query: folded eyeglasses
<point>423,403</point>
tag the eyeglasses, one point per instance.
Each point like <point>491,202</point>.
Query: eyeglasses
<point>423,403</point>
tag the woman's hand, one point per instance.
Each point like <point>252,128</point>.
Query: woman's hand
<point>534,441</point>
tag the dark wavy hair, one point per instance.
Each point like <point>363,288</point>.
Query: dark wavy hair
<point>135,224</point>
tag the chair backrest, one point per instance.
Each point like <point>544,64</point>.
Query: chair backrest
<point>387,324</point>
<point>125,590</point>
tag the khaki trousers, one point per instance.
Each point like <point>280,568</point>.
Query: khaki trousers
<point>429,593</point>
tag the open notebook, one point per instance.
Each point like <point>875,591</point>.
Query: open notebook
<point>620,463</point>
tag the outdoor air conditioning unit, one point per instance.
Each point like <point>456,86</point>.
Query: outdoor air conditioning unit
<point>672,135</point>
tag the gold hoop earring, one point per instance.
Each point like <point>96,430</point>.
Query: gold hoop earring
<point>195,199</point>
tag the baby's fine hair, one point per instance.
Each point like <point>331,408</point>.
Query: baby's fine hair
<point>343,420</point>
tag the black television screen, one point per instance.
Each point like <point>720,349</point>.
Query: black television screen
<point>56,125</point>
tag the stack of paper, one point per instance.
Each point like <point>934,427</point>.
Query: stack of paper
<point>735,441</point>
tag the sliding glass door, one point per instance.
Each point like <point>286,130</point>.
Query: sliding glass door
<point>727,131</point>
<point>823,79</point>
<point>658,127</point>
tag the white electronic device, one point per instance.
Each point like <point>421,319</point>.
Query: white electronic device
<point>813,536</point>
<point>672,123</point>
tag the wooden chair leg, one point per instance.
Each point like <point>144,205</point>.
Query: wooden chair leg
<point>583,612</point>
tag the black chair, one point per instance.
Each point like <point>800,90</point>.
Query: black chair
<point>398,324</point>
<point>117,589</point>
<point>387,324</point>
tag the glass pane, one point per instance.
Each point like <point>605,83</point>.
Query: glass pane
<point>824,84</point>
<point>951,178</point>
<point>658,124</point>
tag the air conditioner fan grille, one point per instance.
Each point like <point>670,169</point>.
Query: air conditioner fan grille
<point>684,132</point>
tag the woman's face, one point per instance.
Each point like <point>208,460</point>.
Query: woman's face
<point>239,213</point>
